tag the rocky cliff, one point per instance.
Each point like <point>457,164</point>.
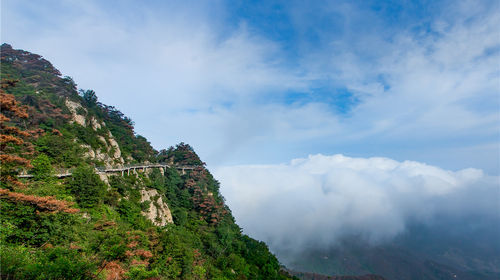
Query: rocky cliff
<point>159,223</point>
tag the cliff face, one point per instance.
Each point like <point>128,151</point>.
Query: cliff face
<point>157,212</point>
<point>159,223</point>
<point>108,152</point>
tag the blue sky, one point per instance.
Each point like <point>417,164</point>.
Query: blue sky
<point>340,116</point>
<point>264,82</point>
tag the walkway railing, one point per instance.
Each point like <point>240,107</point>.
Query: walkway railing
<point>62,173</point>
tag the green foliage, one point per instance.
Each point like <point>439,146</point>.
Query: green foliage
<point>90,97</point>
<point>62,150</point>
<point>86,135</point>
<point>18,262</point>
<point>42,169</point>
<point>121,184</point>
<point>203,243</point>
<point>182,154</point>
<point>25,225</point>
<point>157,180</point>
<point>140,273</point>
<point>87,187</point>
<point>131,213</point>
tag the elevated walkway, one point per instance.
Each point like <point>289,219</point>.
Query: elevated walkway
<point>121,169</point>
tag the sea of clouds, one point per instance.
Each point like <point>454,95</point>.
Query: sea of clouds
<point>313,202</point>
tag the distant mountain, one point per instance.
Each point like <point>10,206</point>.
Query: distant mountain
<point>316,276</point>
<point>436,252</point>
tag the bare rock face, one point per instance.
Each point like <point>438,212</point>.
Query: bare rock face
<point>112,143</point>
<point>98,155</point>
<point>104,177</point>
<point>158,211</point>
<point>74,108</point>
<point>89,153</point>
<point>95,124</point>
<point>110,154</point>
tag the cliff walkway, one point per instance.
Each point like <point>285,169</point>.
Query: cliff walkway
<point>62,173</point>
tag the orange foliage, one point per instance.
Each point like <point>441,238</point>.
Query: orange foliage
<point>114,270</point>
<point>143,253</point>
<point>15,130</point>
<point>14,159</point>
<point>132,244</point>
<point>45,203</point>
<point>104,225</point>
<point>13,181</point>
<point>204,201</point>
<point>129,253</point>
<point>135,262</point>
<point>6,139</point>
<point>11,143</point>
<point>56,132</point>
<point>8,103</point>
<point>3,119</point>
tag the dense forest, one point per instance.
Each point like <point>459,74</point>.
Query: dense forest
<point>155,224</point>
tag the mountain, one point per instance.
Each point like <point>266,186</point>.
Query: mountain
<point>96,201</point>
<point>82,196</point>
<point>439,251</point>
<point>316,276</point>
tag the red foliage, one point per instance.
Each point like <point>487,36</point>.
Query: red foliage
<point>143,253</point>
<point>12,144</point>
<point>103,225</point>
<point>135,262</point>
<point>132,244</point>
<point>56,132</point>
<point>6,139</point>
<point>9,103</point>
<point>114,270</point>
<point>26,60</point>
<point>41,110</point>
<point>198,259</point>
<point>14,159</point>
<point>44,203</point>
<point>204,201</point>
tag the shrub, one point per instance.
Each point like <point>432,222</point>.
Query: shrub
<point>42,169</point>
<point>87,187</point>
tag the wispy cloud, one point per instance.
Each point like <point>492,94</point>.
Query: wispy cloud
<point>200,74</point>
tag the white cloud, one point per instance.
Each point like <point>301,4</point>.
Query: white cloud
<point>186,73</point>
<point>315,201</point>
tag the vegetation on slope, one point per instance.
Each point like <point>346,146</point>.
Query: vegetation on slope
<point>81,227</point>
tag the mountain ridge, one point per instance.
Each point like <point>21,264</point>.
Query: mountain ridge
<point>135,223</point>
<point>139,224</point>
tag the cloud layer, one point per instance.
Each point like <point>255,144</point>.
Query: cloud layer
<point>407,82</point>
<point>315,201</point>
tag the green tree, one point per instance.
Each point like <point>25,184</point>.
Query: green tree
<point>87,187</point>
<point>42,169</point>
<point>90,97</point>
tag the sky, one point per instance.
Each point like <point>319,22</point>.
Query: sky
<point>405,91</point>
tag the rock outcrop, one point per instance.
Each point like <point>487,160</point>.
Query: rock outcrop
<point>75,109</point>
<point>110,154</point>
<point>158,212</point>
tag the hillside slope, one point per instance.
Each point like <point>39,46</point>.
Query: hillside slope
<point>158,223</point>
